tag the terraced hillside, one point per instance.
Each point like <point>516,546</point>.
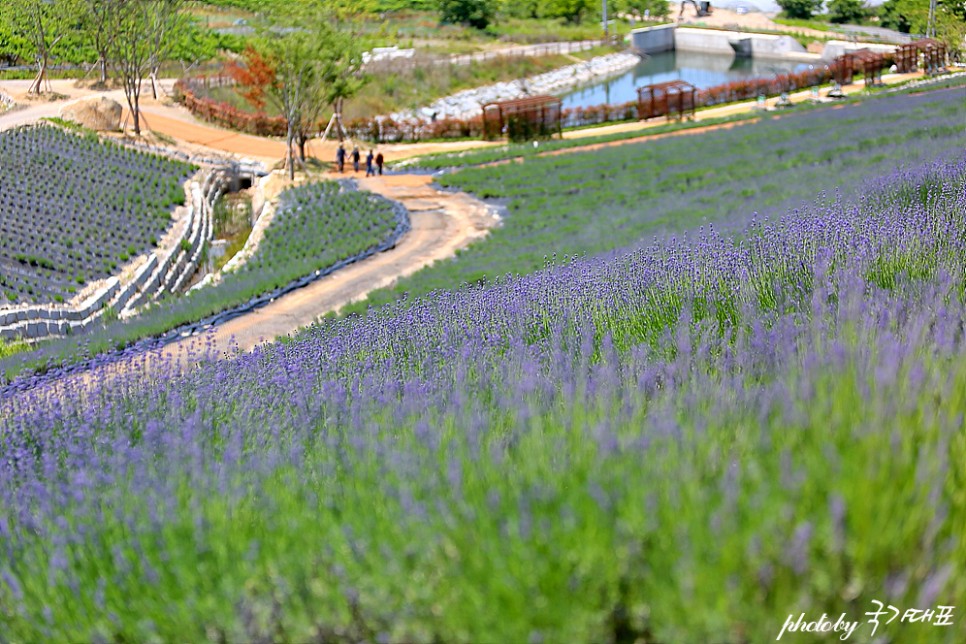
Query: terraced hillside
<point>317,229</point>
<point>74,208</point>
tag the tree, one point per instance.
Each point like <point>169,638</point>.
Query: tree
<point>846,11</point>
<point>296,82</point>
<point>573,11</point>
<point>37,26</point>
<point>252,76</point>
<point>800,8</point>
<point>12,42</point>
<point>142,33</point>
<point>300,71</point>
<point>130,51</point>
<point>343,77</point>
<point>167,19</point>
<point>474,13</point>
<point>193,43</point>
<point>912,16</point>
<point>527,9</point>
<point>99,21</point>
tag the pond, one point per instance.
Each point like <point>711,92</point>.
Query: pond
<point>700,69</point>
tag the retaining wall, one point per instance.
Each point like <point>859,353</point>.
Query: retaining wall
<point>403,226</point>
<point>467,103</point>
<point>715,41</point>
<point>670,37</point>
<point>164,271</point>
<point>653,40</point>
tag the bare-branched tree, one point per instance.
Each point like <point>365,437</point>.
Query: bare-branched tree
<point>41,25</point>
<point>143,31</point>
<point>100,21</point>
<point>167,18</point>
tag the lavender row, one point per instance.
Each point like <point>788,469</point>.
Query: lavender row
<point>73,208</point>
<point>613,198</point>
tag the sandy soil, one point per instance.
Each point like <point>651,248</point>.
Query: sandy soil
<point>727,19</point>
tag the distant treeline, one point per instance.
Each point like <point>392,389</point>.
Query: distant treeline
<point>478,13</point>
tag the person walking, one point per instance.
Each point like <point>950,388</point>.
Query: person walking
<point>379,161</point>
<point>340,158</point>
<point>369,171</point>
<point>355,158</point>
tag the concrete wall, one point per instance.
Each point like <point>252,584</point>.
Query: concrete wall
<point>715,41</point>
<point>766,45</point>
<point>670,37</point>
<point>835,48</point>
<point>653,40</point>
<point>708,41</point>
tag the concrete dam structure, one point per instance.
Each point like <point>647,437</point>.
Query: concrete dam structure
<point>670,37</point>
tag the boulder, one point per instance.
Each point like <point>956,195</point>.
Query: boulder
<point>101,114</point>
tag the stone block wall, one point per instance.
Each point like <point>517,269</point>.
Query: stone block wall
<point>164,271</point>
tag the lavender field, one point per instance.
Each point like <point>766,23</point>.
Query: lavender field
<point>682,443</point>
<point>319,227</point>
<point>594,202</point>
<point>74,208</point>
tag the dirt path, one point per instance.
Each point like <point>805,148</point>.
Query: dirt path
<point>590,147</point>
<point>716,112</point>
<point>30,111</point>
<point>177,122</point>
<point>442,223</point>
<point>754,20</point>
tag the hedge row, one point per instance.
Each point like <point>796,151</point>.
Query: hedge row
<point>224,114</point>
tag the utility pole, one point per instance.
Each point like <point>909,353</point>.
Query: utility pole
<point>931,23</point>
<point>606,33</point>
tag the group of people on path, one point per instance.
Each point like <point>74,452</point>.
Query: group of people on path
<point>378,159</point>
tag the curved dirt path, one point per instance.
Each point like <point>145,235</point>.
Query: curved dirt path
<point>637,130</point>
<point>442,223</point>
